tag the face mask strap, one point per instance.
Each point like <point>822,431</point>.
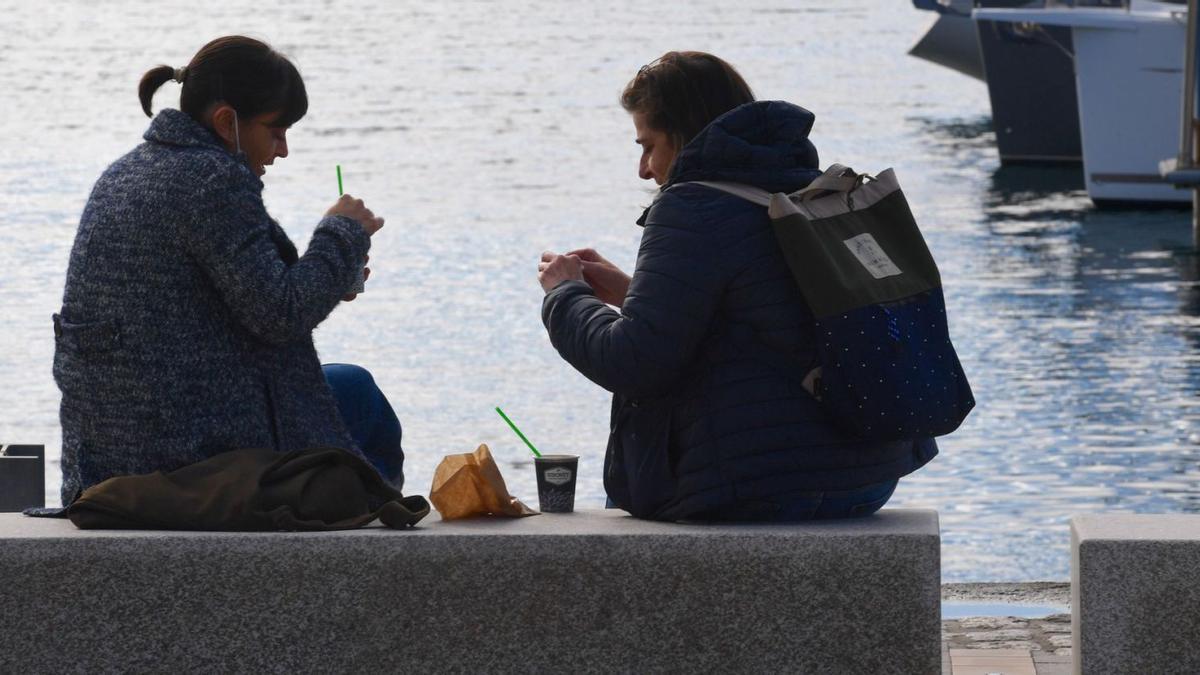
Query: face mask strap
<point>237,139</point>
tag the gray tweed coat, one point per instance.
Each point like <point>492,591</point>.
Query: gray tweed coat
<point>187,318</point>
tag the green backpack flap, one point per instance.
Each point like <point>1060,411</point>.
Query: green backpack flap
<point>888,370</point>
<point>251,489</point>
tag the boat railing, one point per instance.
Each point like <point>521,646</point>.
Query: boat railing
<point>1127,5</point>
<point>1115,4</point>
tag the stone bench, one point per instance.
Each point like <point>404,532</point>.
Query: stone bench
<point>590,591</point>
<point>1135,592</point>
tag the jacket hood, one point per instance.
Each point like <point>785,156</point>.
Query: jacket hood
<point>761,143</point>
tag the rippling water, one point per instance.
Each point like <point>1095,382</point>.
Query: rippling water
<point>486,132</point>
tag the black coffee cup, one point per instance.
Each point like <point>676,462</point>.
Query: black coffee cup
<point>556,482</point>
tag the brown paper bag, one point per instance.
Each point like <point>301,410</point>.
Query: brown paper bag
<point>471,485</point>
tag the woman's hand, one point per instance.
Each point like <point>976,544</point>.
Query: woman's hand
<point>606,279</point>
<point>355,210</point>
<point>366,275</point>
<point>555,269</point>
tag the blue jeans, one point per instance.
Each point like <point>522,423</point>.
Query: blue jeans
<point>369,418</point>
<point>799,506</point>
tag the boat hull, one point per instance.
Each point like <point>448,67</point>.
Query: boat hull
<point>1031,85</point>
<point>951,42</point>
<point>1128,85</point>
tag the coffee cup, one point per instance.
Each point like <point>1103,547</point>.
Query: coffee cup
<point>556,482</point>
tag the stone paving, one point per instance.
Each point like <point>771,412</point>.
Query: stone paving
<point>1047,639</point>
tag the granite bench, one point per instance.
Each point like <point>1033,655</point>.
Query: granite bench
<point>589,591</point>
<point>1135,592</point>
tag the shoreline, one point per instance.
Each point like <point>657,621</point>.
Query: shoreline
<point>1047,638</point>
<point>1004,592</point>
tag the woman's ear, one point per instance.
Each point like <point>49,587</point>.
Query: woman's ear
<point>224,121</point>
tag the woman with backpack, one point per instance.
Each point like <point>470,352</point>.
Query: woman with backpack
<point>706,425</point>
<point>187,316</point>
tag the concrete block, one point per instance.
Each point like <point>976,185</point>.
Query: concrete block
<point>592,591</point>
<point>1135,587</point>
<point>22,477</point>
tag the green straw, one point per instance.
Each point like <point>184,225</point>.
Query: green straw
<point>339,169</point>
<point>518,432</point>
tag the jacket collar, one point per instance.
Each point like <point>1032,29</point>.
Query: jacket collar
<point>174,127</point>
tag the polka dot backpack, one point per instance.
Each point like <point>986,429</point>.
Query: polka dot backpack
<point>888,370</point>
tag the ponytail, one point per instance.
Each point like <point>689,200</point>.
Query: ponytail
<point>242,72</point>
<point>151,81</point>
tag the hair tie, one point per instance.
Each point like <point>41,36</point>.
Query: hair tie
<point>179,74</point>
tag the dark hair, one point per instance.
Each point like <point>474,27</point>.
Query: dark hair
<point>243,72</point>
<point>680,93</point>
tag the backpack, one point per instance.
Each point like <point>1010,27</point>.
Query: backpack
<point>887,369</point>
<point>251,489</point>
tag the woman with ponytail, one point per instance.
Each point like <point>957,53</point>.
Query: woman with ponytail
<point>187,317</point>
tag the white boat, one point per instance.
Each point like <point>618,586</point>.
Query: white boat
<point>950,41</point>
<point>1030,78</point>
<point>1129,64</point>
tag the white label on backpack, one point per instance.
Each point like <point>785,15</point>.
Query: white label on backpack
<point>871,255</point>
<point>558,475</point>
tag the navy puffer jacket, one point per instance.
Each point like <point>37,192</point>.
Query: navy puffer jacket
<point>700,420</point>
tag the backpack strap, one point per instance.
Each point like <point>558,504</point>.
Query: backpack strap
<point>748,192</point>
<point>837,178</point>
<point>744,340</point>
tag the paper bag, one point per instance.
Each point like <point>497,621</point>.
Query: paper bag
<point>471,485</point>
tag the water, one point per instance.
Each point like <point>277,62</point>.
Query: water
<point>488,132</point>
<point>952,609</point>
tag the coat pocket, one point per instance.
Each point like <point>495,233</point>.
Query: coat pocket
<point>87,362</point>
<point>99,376</point>
<point>639,471</point>
<point>90,337</point>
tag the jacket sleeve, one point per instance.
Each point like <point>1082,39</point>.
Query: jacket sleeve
<point>229,236</point>
<point>675,291</point>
